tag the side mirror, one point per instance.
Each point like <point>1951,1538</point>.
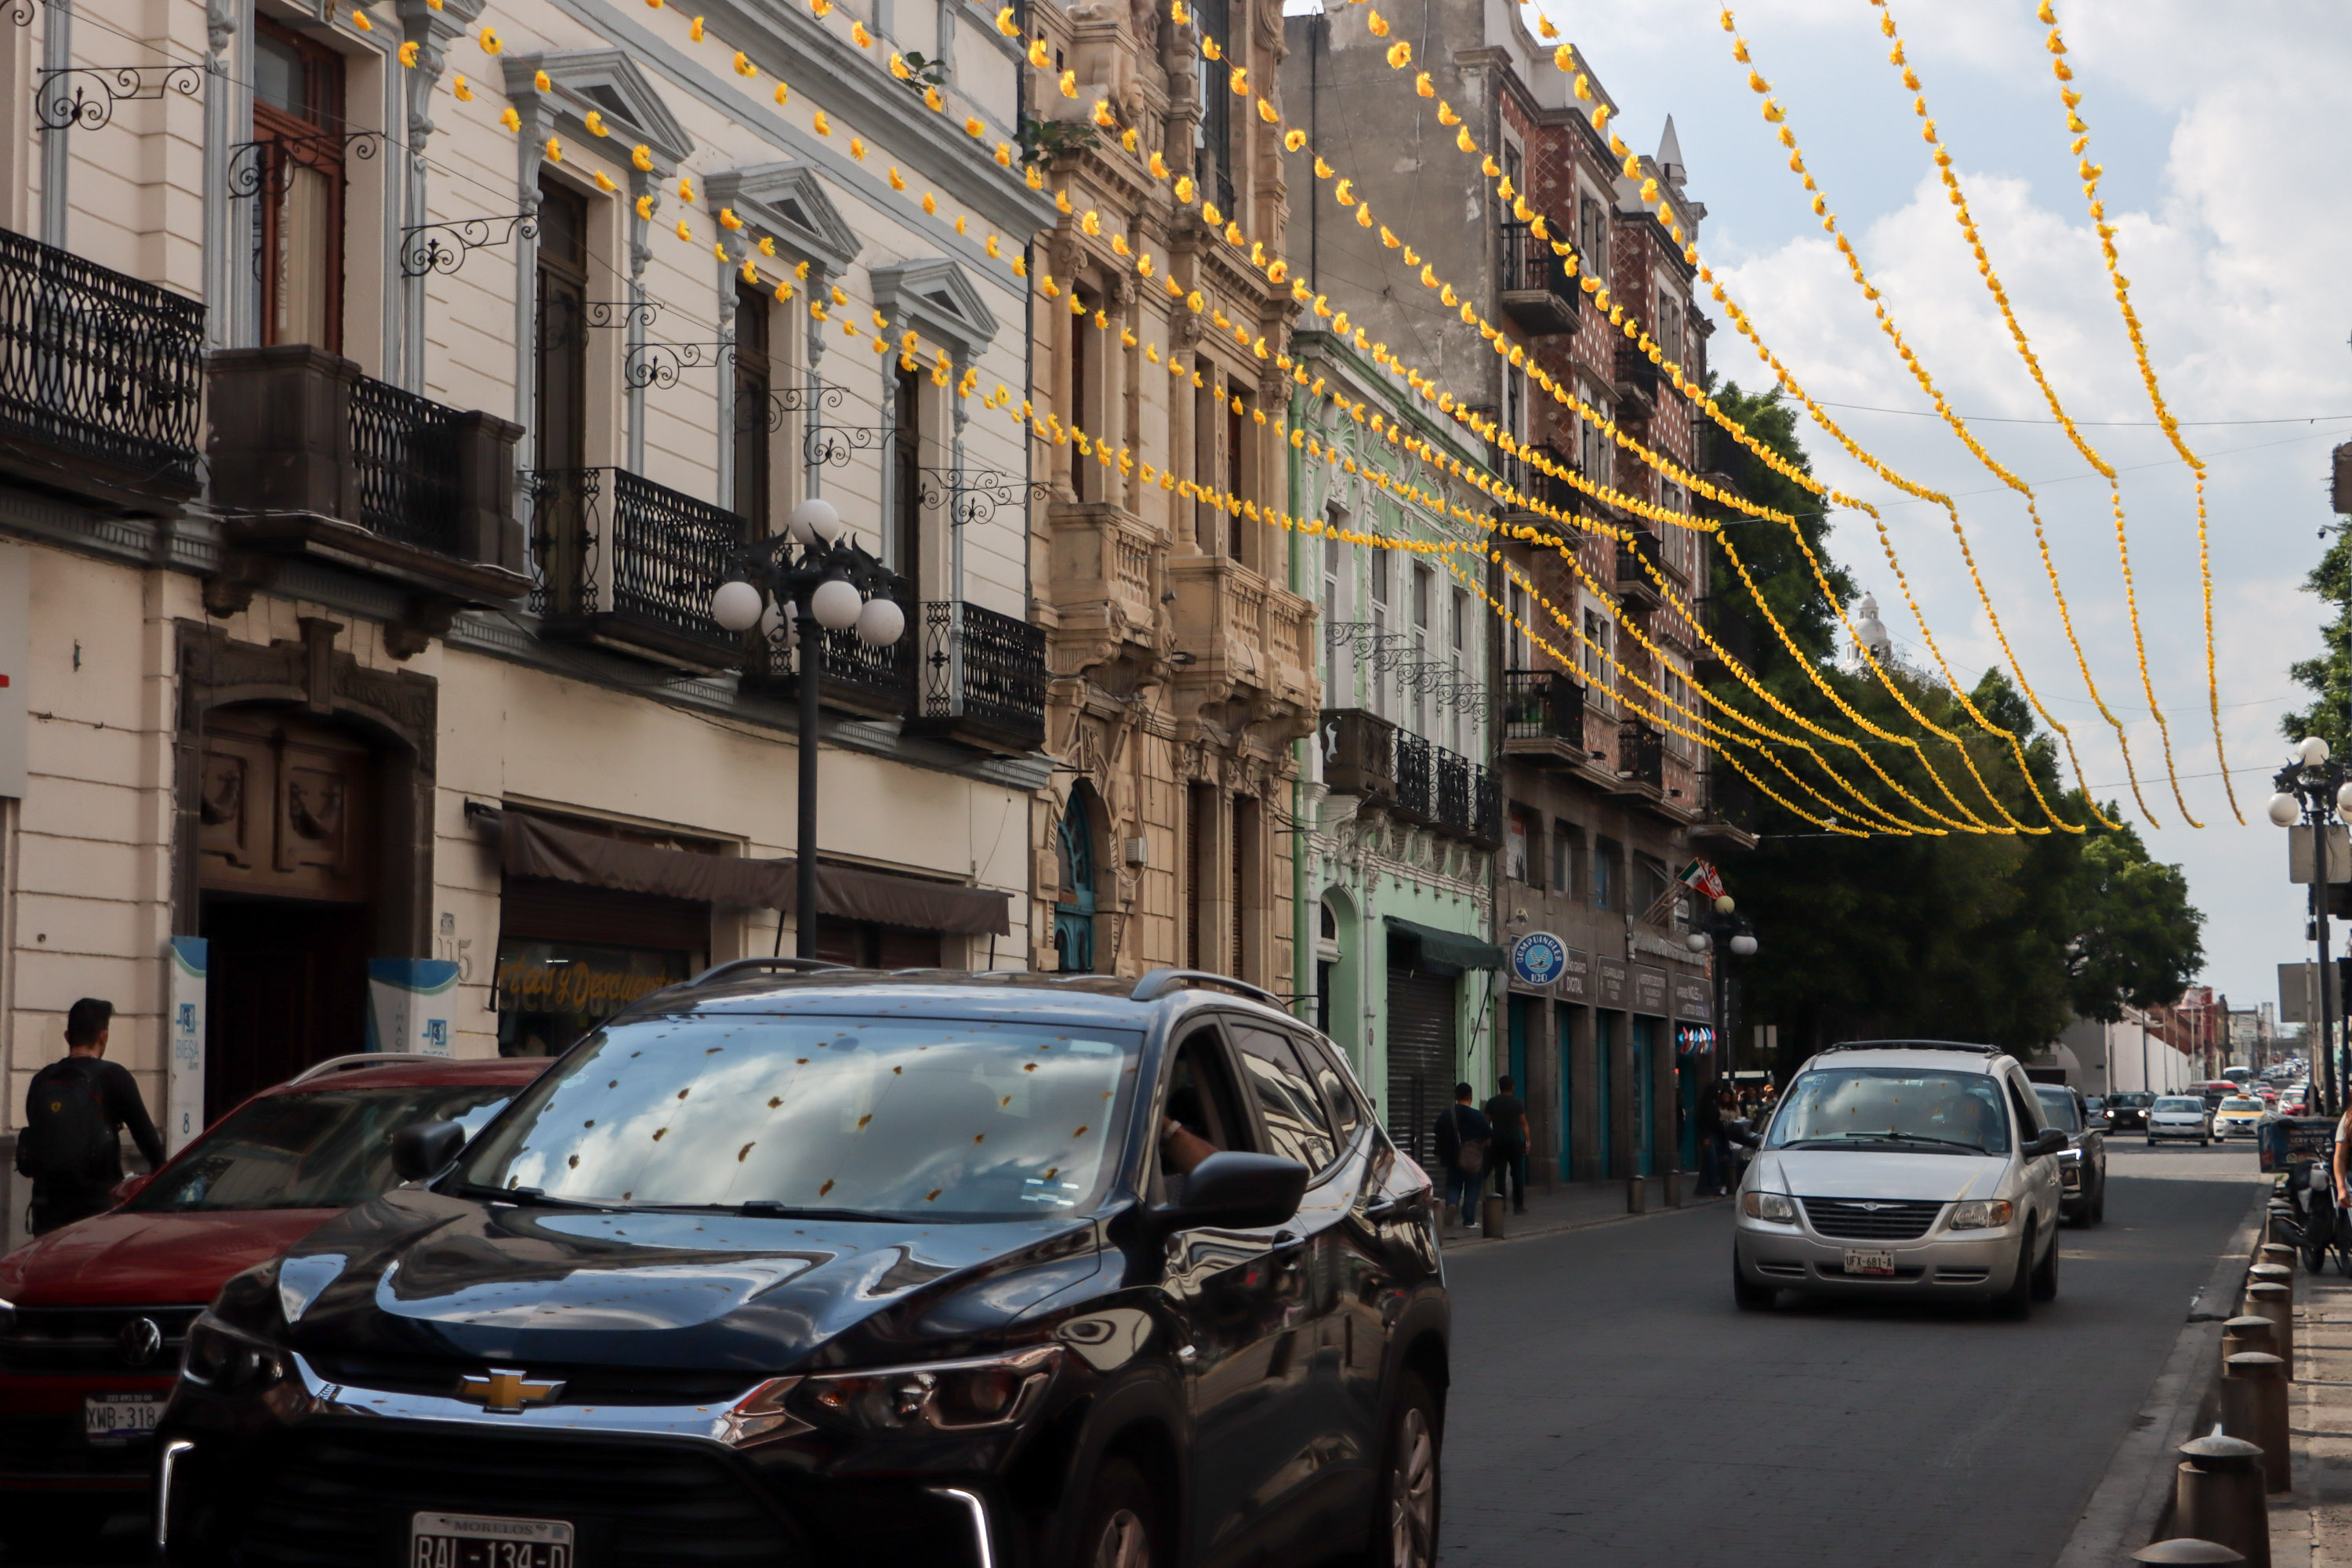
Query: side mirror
<point>421,1148</point>
<point>2050,1143</point>
<point>130,1187</point>
<point>1240,1190</point>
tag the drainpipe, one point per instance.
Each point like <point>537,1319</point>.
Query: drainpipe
<point>1305,924</point>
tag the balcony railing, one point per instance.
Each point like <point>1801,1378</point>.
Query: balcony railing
<point>1416,778</point>
<point>1637,381</point>
<point>404,455</point>
<point>1641,755</point>
<point>1543,715</point>
<point>627,563</point>
<point>984,678</point>
<point>1537,292</point>
<point>857,677</point>
<point>1360,754</point>
<point>98,369</point>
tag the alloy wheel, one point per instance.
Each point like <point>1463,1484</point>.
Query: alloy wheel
<point>1124,1543</point>
<point>1412,1494</point>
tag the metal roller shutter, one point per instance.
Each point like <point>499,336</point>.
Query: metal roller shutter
<point>1421,1058</point>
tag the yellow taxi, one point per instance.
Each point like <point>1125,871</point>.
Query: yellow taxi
<point>2238,1116</point>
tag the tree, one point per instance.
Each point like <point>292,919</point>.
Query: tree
<point>2329,677</point>
<point>2137,941</point>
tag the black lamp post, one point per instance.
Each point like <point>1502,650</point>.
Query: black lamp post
<point>1720,926</point>
<point>2312,794</point>
<point>832,585</point>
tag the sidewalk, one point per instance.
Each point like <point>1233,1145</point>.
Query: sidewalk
<point>2311,1527</point>
<point>1578,1205</point>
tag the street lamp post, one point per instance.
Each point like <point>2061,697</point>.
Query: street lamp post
<point>2312,793</point>
<point>832,585</point>
<point>1719,924</point>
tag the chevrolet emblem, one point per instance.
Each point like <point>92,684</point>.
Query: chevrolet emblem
<point>503,1391</point>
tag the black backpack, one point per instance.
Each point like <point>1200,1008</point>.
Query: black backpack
<point>66,1133</point>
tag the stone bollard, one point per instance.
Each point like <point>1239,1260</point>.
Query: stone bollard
<point>2254,1407</point>
<point>2278,1252</point>
<point>2269,1273</point>
<point>1673,1186</point>
<point>2179,1554</point>
<point>1491,1223</point>
<point>2252,1332</point>
<point>2276,1303</point>
<point>1637,1195</point>
<point>2219,1498</point>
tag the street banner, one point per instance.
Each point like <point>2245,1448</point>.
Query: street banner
<point>1538,958</point>
<point>183,1042</point>
<point>409,1005</point>
<point>1703,876</point>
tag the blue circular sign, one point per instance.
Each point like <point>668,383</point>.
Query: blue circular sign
<point>1538,958</point>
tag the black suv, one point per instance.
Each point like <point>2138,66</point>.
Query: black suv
<point>795,1265</point>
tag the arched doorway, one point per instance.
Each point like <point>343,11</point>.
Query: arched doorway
<point>1073,913</point>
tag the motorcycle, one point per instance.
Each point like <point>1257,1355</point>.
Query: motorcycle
<point>2305,1149</point>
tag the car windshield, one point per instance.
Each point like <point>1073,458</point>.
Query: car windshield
<point>900,1119</point>
<point>324,1149</point>
<point>1896,1105</point>
<point>2057,1107</point>
<point>2181,1103</point>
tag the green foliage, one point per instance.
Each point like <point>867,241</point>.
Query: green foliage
<point>922,72</point>
<point>2329,677</point>
<point>1043,141</point>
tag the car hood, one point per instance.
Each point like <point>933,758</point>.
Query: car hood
<point>418,1274</point>
<point>1880,1174</point>
<point>128,1258</point>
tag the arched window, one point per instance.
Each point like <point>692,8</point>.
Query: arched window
<point>1074,915</point>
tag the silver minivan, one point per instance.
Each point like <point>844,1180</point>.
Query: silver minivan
<point>1917,1168</point>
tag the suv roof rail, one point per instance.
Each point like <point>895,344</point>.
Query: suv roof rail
<point>362,1059</point>
<point>1160,981</point>
<point>1914,1046</point>
<point>735,965</point>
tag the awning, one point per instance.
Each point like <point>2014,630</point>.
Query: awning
<point>534,848</point>
<point>1438,951</point>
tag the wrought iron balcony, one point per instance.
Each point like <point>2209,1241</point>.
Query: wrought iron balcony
<point>1543,717</point>
<point>1416,779</point>
<point>1727,808</point>
<point>1635,582</point>
<point>1537,292</point>
<point>1637,384</point>
<point>629,564</point>
<point>1469,800</point>
<point>1641,757</point>
<point>984,678</point>
<point>101,378</point>
<point>1360,754</point>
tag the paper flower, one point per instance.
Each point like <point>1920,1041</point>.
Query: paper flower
<point>1423,86</point>
<point>1211,215</point>
<point>510,120</point>
<point>930,205</point>
<point>932,100</point>
<point>1209,49</point>
<point>683,231</point>
<point>823,126</point>
<point>642,157</point>
<point>743,65</point>
<point>460,91</point>
<point>728,220</point>
<point>974,128</point>
<point>1127,138</point>
<point>858,148</point>
<point>359,20</point>
<point>1159,166</point>
<point>554,150</point>
<point>1400,55</point>
<point>1294,139</point>
<point>860,36</point>
<point>1006,23</point>
<point>408,53</point>
<point>1184,189</point>
<point>1033,178</point>
<point>595,123</point>
<point>694,30</point>
<point>1267,113</point>
<point>684,188</point>
<point>646,209</point>
<point>1379,24</point>
<point>1069,84</point>
<point>1239,81</point>
<point>1039,56</point>
<point>1103,115</point>
<point>783,94</point>
<point>1092,222</point>
<point>491,43</point>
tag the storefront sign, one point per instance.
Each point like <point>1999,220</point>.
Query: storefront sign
<point>1612,982</point>
<point>1576,976</point>
<point>1538,959</point>
<point>1694,1041</point>
<point>184,1072</point>
<point>1692,999</point>
<point>551,993</point>
<point>409,1005</point>
<point>1649,989</point>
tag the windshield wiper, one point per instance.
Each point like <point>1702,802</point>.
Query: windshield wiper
<point>532,1196</point>
<point>1883,1138</point>
<point>768,1208</point>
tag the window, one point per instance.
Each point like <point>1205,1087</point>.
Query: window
<point>1380,695</point>
<point>1652,887</point>
<point>1520,840</point>
<point>753,383</point>
<point>298,209</point>
<point>1333,696</point>
<point>1593,235</point>
<point>1200,874</point>
<point>1212,136</point>
<point>1201,1099</point>
<point>1461,622</point>
<point>561,394</point>
<point>1286,1099</point>
<point>1567,850</point>
<point>1247,872</point>
<point>1208,521</point>
<point>1238,471</point>
<point>1522,650</point>
<point>907,480</point>
<point>1597,671</point>
<point>1082,409</point>
<point>1606,893</point>
<point>1346,1110</point>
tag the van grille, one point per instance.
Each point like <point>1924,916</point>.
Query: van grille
<point>1871,1219</point>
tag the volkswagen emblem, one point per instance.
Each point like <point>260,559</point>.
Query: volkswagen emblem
<point>141,1339</point>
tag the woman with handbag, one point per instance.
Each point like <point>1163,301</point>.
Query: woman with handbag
<point>1464,1136</point>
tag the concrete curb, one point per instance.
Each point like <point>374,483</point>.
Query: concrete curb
<point>2129,1506</point>
<point>1473,1242</point>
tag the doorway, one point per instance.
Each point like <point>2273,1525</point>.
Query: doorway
<point>1645,1139</point>
<point>1604,1064</point>
<point>285,986</point>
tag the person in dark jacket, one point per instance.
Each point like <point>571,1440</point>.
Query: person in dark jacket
<point>75,1183</point>
<point>1459,1125</point>
<point>1708,1117</point>
<point>1507,1113</point>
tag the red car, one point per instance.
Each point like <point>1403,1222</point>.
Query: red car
<point>92,1316</point>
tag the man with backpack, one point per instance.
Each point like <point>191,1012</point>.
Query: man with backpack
<point>69,1144</point>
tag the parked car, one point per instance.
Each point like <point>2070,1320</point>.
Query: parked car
<point>2238,1116</point>
<point>2094,1110</point>
<point>2129,1109</point>
<point>1905,1167</point>
<point>838,1266</point>
<point>93,1316</point>
<point>2083,1166</point>
<point>2179,1116</point>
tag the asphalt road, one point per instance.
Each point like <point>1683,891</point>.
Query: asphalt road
<point>1610,1406</point>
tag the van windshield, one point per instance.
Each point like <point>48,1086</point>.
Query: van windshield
<point>917,1120</point>
<point>1836,1106</point>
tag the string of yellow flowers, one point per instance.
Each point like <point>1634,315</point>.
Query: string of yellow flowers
<point>2121,286</point>
<point>1967,221</point>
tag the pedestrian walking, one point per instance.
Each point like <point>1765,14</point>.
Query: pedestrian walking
<point>74,1111</point>
<point>1707,1118</point>
<point>1507,1114</point>
<point>1463,1139</point>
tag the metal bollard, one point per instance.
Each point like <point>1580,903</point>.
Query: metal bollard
<point>1491,1223</point>
<point>1637,1195</point>
<point>2276,1303</point>
<point>2278,1252</point>
<point>2218,1496</point>
<point>1673,1186</point>
<point>2269,1273</point>
<point>2252,1332</point>
<point>2254,1407</point>
<point>2184,1551</point>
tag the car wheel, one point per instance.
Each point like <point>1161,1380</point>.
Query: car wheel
<point>1118,1529</point>
<point>2046,1275</point>
<point>1745,1294</point>
<point>2018,1300</point>
<point>1410,1477</point>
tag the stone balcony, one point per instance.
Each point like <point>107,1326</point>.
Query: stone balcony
<point>1242,639</point>
<point>1104,579</point>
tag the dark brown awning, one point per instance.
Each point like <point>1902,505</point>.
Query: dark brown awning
<point>534,848</point>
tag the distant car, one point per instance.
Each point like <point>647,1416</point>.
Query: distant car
<point>92,1316</point>
<point>2082,1165</point>
<point>2179,1116</point>
<point>2094,1108</point>
<point>2129,1109</point>
<point>2238,1116</point>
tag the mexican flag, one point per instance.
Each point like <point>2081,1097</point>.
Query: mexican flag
<point>1703,876</point>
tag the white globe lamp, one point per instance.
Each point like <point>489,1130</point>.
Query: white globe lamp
<point>2284,809</point>
<point>1743,946</point>
<point>836,605</point>
<point>737,605</point>
<point>2312,749</point>
<point>1723,906</point>
<point>881,622</point>
<point>815,521</point>
<point>1698,941</point>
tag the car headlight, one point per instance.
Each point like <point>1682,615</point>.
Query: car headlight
<point>227,1362</point>
<point>1776,1207</point>
<point>934,1396</point>
<point>1982,1213</point>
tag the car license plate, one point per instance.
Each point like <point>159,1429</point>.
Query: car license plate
<point>119,1417</point>
<point>1869,1261</point>
<point>474,1540</point>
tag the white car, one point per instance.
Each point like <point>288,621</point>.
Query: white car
<point>2181,1116</point>
<point>1918,1168</point>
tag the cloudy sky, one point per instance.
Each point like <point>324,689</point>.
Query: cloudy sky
<point>2220,132</point>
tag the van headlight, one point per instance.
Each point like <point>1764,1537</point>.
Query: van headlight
<point>932,1397</point>
<point>1778,1207</point>
<point>1982,1213</point>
